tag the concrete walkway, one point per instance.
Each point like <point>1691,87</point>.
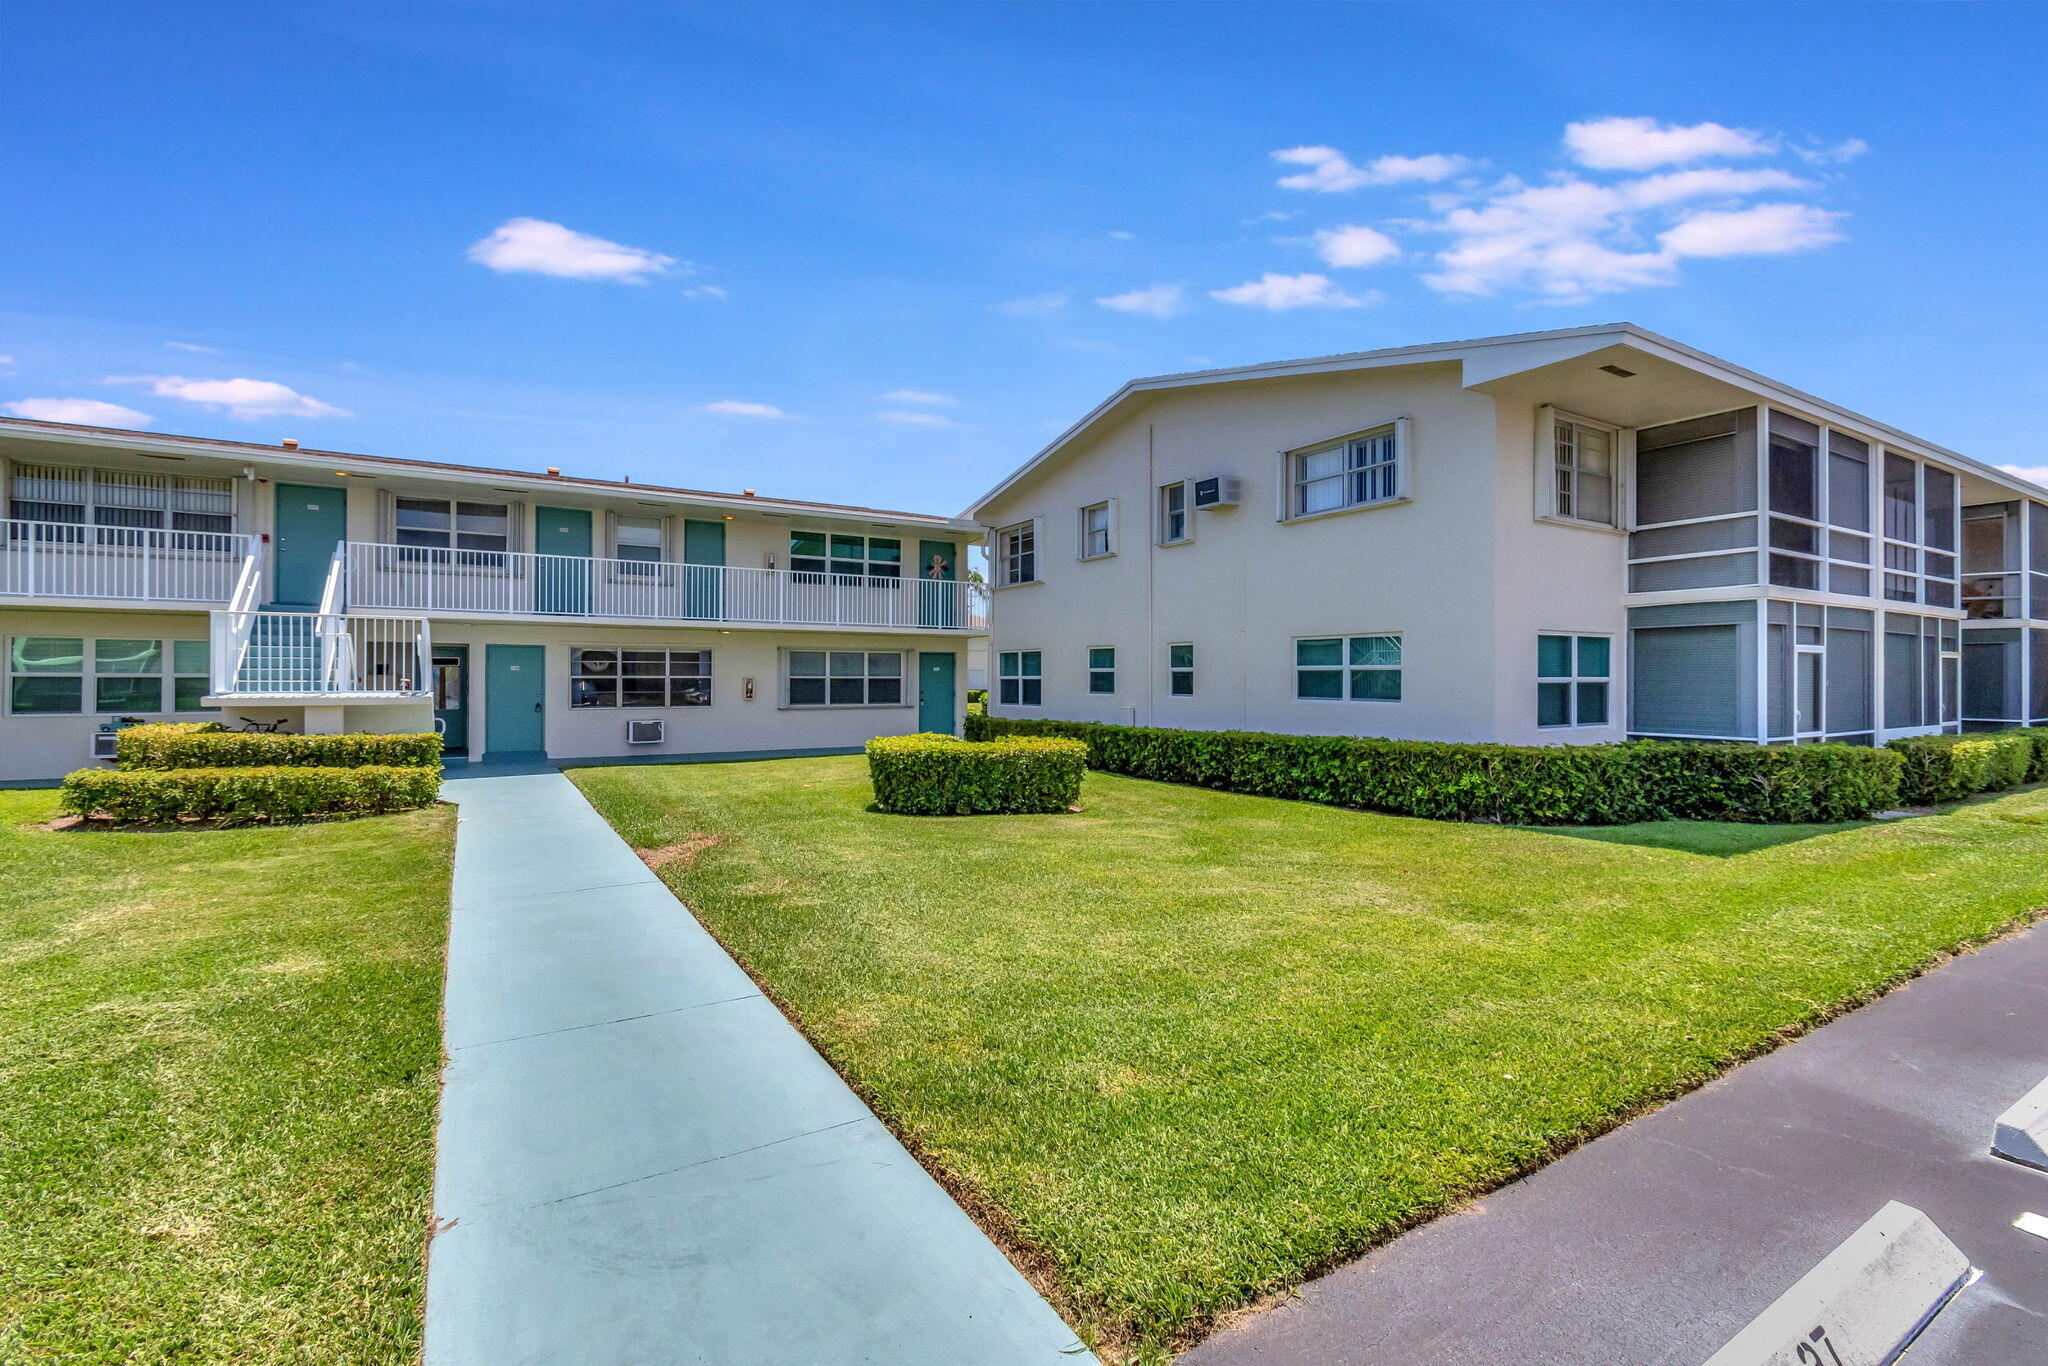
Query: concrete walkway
<point>642,1161</point>
<point>1655,1244</point>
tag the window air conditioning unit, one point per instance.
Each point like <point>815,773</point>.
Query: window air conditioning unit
<point>1218,491</point>
<point>644,732</point>
<point>103,744</point>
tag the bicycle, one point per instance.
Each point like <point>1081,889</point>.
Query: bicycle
<point>251,726</point>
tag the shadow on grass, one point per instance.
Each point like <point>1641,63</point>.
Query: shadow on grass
<point>1714,839</point>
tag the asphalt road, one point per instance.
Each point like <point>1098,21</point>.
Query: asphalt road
<point>1655,1244</point>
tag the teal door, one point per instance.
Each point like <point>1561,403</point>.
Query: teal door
<point>515,692</point>
<point>562,584</point>
<point>704,591</point>
<point>311,522</point>
<point>451,696</point>
<point>937,567</point>
<point>935,691</point>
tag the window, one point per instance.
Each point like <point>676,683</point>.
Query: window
<point>1571,680</point>
<point>1354,472</point>
<point>121,498</point>
<point>1348,668</point>
<point>452,525</point>
<point>1018,683</point>
<point>1102,669</point>
<point>613,677</point>
<point>1017,553</point>
<point>1583,471</point>
<point>1174,527</point>
<point>637,539</point>
<point>49,675</point>
<point>845,678</point>
<point>1096,540</point>
<point>1180,670</point>
<point>814,552</point>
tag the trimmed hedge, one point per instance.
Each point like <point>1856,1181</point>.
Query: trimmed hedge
<point>207,744</point>
<point>1512,784</point>
<point>938,775</point>
<point>1948,768</point>
<point>244,796</point>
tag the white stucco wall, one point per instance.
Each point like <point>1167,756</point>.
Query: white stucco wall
<point>1249,584</point>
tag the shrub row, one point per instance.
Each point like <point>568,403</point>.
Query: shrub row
<point>1513,784</point>
<point>938,775</point>
<point>243,796</point>
<point>1948,768</point>
<point>207,744</point>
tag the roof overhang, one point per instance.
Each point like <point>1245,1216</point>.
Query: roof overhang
<point>1672,380</point>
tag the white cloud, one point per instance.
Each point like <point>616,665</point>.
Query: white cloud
<point>1154,301</point>
<point>2034,473</point>
<point>240,398</point>
<point>1846,150</point>
<point>1639,144</point>
<point>924,396</point>
<point>733,407</point>
<point>908,418</point>
<point>1722,182</point>
<point>1280,293</point>
<point>1034,305</point>
<point>194,347</point>
<point>8,363</point>
<point>1762,230</point>
<point>1119,235</point>
<point>1356,245</point>
<point>88,412</point>
<point>535,246</point>
<point>706,292</point>
<point>1331,172</point>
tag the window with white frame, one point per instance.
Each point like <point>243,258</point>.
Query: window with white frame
<point>1348,668</point>
<point>1097,534</point>
<point>816,552</point>
<point>636,538</point>
<point>1582,470</point>
<point>1101,668</point>
<point>1353,471</point>
<point>844,678</point>
<point>60,675</point>
<point>607,676</point>
<point>1018,678</point>
<point>1016,558</point>
<point>1572,675</point>
<point>452,524</point>
<point>1180,670</point>
<point>130,499</point>
<point>1175,527</point>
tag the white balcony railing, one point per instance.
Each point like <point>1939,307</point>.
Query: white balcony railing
<point>316,654</point>
<point>136,564</point>
<point>427,579</point>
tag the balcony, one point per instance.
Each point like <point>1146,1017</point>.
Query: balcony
<point>517,584</point>
<point>127,564</point>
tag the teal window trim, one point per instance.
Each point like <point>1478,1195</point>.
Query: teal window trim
<point>1574,680</point>
<point>1358,668</point>
<point>106,676</point>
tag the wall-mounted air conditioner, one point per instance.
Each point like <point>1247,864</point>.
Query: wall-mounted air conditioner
<point>103,744</point>
<point>644,732</point>
<point>1218,491</point>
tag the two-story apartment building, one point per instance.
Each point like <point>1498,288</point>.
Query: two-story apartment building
<point>1570,536</point>
<point>522,615</point>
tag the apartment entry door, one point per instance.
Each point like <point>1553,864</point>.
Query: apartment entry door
<point>562,584</point>
<point>311,522</point>
<point>935,691</point>
<point>451,697</point>
<point>515,699</point>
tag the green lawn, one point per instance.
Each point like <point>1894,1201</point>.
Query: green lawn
<point>218,1071</point>
<point>1191,1046</point>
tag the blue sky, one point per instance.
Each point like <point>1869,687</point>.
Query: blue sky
<point>882,253</point>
